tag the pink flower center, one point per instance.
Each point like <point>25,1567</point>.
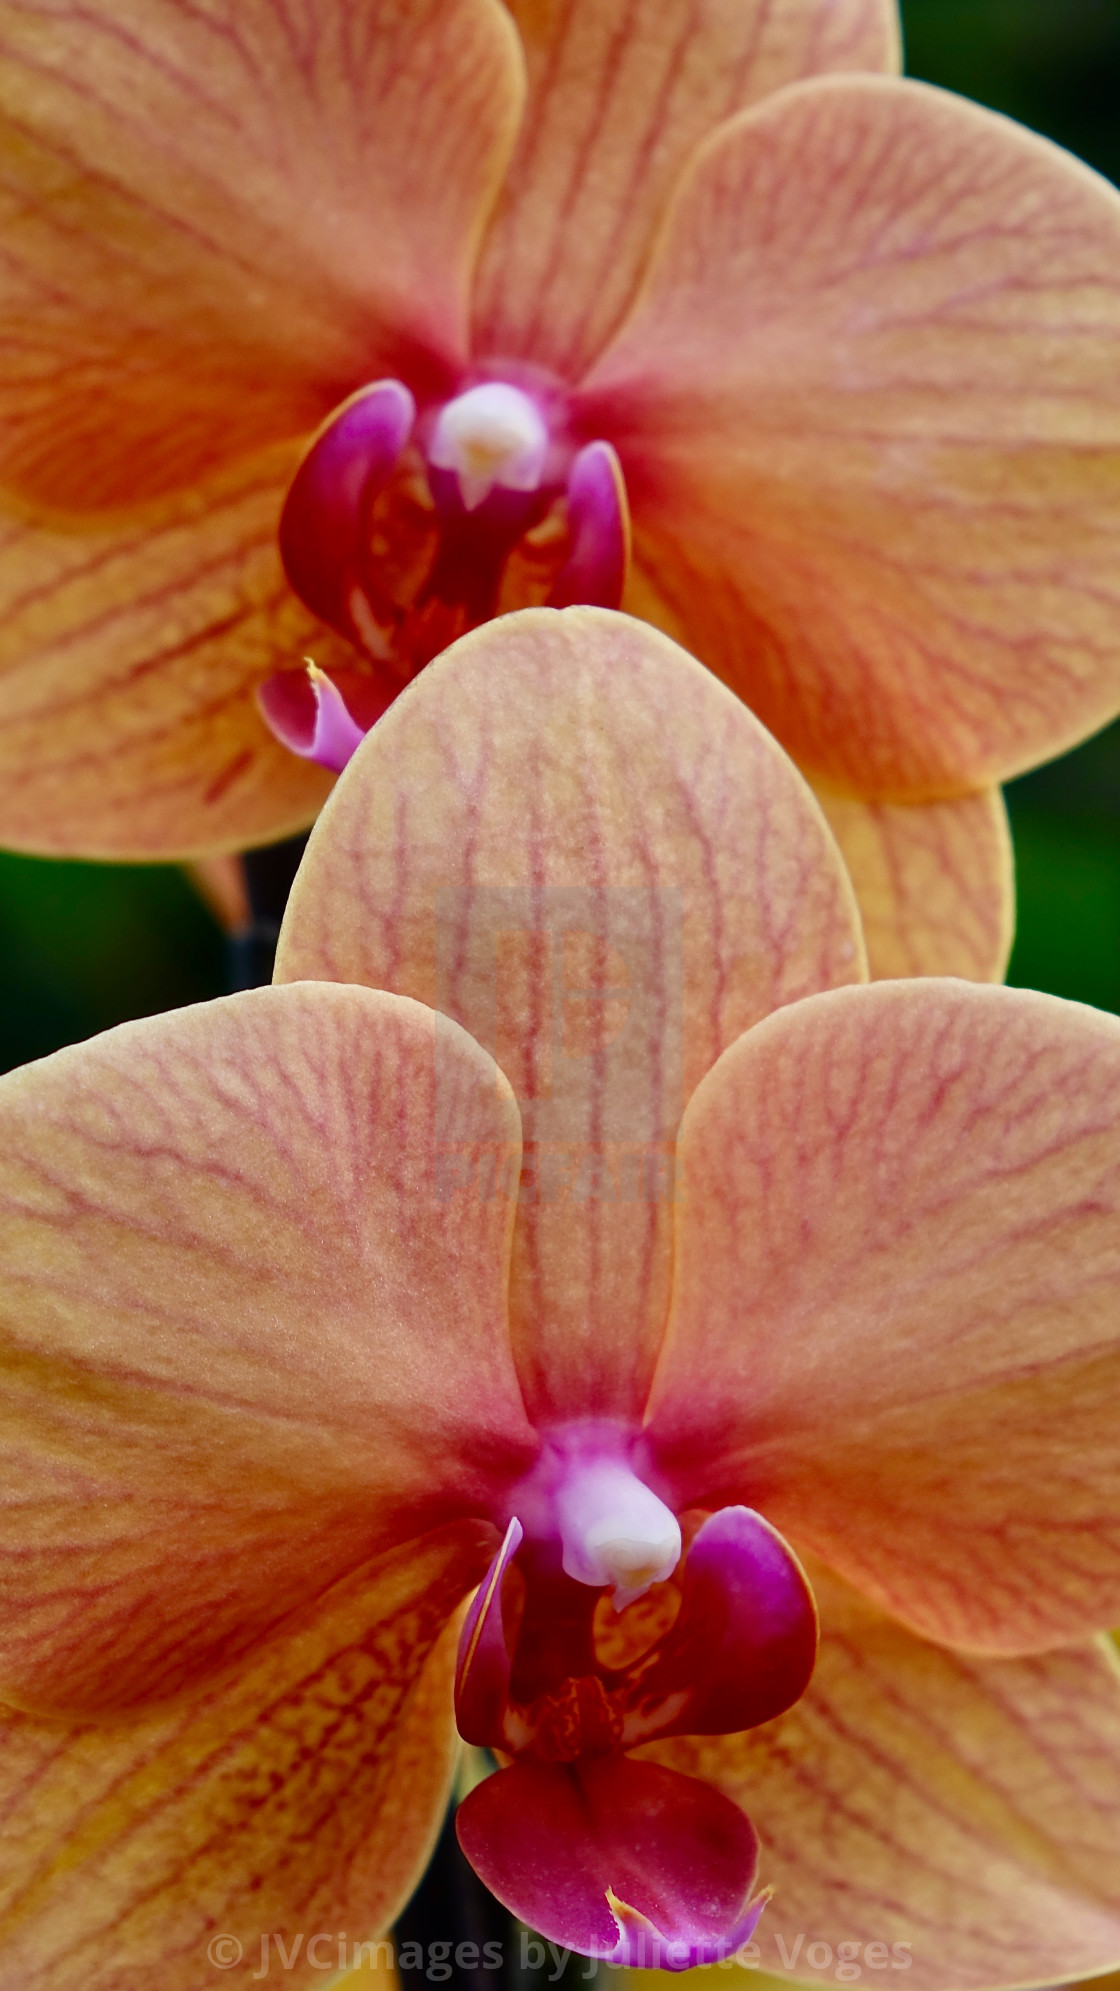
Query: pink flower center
<point>606,1621</point>
<point>593,1631</point>
<point>403,528</point>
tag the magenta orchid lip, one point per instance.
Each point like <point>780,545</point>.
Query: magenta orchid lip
<point>493,462</point>
<point>729,1643</point>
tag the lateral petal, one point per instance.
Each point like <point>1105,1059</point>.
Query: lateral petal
<point>567,836</point>
<point>960,1813</point>
<point>301,1795</point>
<point>219,221</point>
<point>895,1326</point>
<point>868,411</point>
<point>935,882</point>
<point>253,1327</point>
<point>620,95</point>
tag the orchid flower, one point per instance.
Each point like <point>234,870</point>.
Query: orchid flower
<point>331,332</point>
<point>571,1221</point>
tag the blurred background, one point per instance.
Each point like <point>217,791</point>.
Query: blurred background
<point>83,946</point>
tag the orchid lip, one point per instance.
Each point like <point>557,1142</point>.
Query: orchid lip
<point>603,1853</point>
<point>627,1861</point>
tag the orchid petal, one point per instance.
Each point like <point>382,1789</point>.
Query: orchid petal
<point>300,1794</point>
<point>218,225</point>
<point>606,1854</point>
<point>619,96</point>
<point>896,1326</point>
<point>935,882</point>
<point>253,1327</point>
<point>569,837</point>
<point>959,1813</point>
<point>128,658</point>
<point>868,406</point>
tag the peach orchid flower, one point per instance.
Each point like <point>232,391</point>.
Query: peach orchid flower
<point>847,349</point>
<point>291,1364</point>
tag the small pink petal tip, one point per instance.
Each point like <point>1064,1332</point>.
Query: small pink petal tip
<point>308,714</point>
<point>326,510</point>
<point>595,570</point>
<point>617,1859</point>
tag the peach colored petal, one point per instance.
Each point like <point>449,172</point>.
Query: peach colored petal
<point>129,656</point>
<point>963,1809</point>
<point>300,1796</point>
<point>896,1326</point>
<point>935,882</point>
<point>620,93</point>
<point>219,220</point>
<point>868,409</point>
<point>568,836</point>
<point>253,1328</point>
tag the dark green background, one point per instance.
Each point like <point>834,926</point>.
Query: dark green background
<point>85,946</point>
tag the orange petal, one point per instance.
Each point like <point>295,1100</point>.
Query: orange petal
<point>896,1326</point>
<point>254,1327</point>
<point>868,410</point>
<point>571,838</point>
<point>300,1797</point>
<point>935,882</point>
<point>129,656</point>
<point>620,94</point>
<point>212,236</point>
<point>963,1810</point>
